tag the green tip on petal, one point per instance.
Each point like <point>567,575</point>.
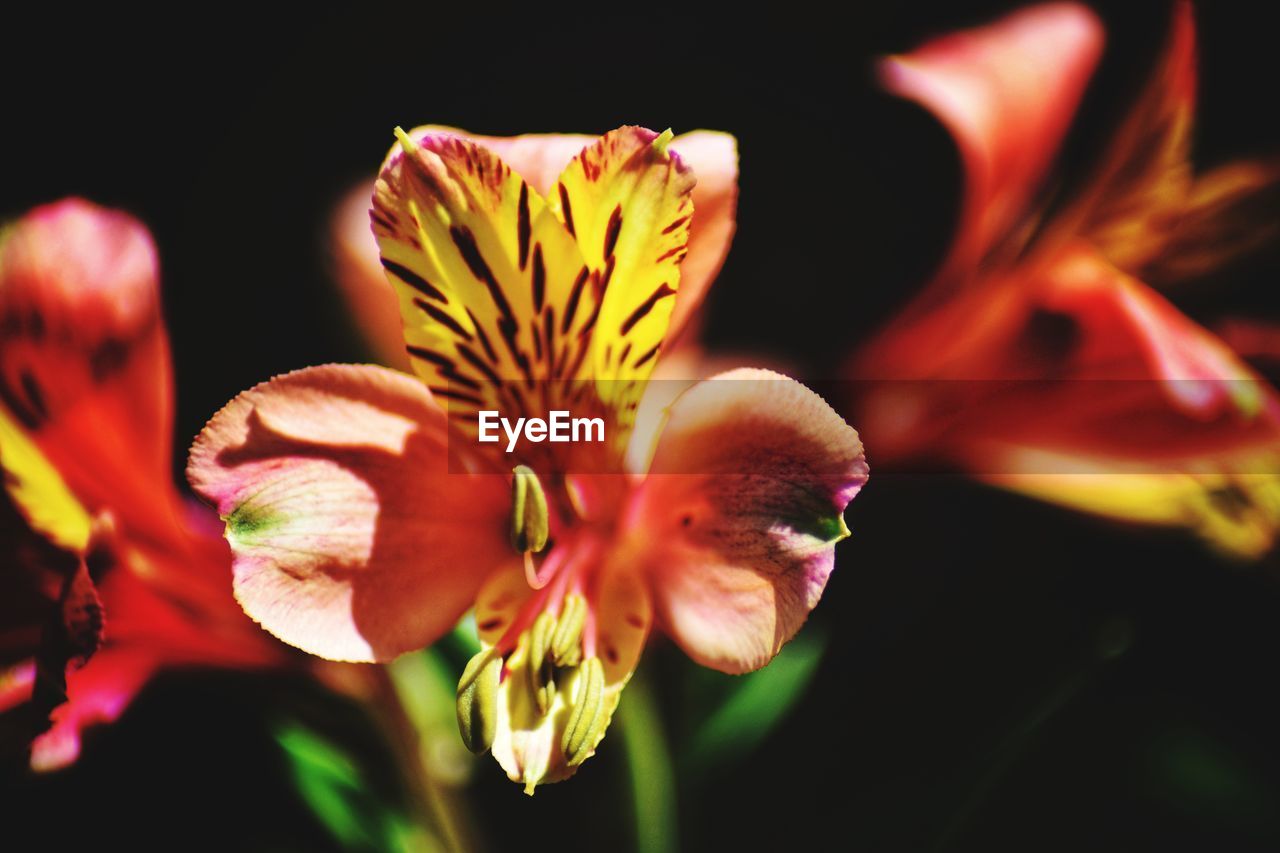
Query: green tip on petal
<point>830,528</point>
<point>405,141</point>
<point>664,139</point>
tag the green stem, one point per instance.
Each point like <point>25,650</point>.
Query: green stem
<point>652,778</point>
<point>439,805</point>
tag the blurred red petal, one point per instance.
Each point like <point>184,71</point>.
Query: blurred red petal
<point>1007,92</point>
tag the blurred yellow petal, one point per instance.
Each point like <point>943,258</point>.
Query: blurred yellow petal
<point>1235,508</point>
<point>39,492</point>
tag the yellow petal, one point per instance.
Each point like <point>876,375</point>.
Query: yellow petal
<point>486,276</point>
<point>628,202</point>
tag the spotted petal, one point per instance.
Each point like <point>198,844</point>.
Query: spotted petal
<point>737,520</point>
<point>713,158</point>
<point>351,537</point>
<point>492,287</point>
<point>628,202</point>
<point>540,158</point>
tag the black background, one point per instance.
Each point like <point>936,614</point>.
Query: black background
<point>962,702</point>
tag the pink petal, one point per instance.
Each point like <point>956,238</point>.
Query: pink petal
<point>352,537</point>
<point>738,518</point>
<point>1007,92</point>
<point>359,273</point>
<point>713,156</point>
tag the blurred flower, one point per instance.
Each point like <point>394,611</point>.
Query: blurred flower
<point>1039,358</point>
<point>365,519</point>
<point>539,158</point>
<point>95,526</point>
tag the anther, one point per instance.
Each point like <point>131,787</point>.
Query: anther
<point>541,676</point>
<point>566,646</point>
<point>588,719</point>
<point>530,524</point>
<point>478,701</point>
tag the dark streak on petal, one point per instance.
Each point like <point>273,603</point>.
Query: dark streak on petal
<point>523,227</point>
<point>591,322</point>
<point>415,281</point>
<point>107,358</point>
<point>644,359</point>
<point>674,225</point>
<point>17,408</point>
<point>611,232</point>
<point>549,332</point>
<point>574,296</point>
<point>31,387</point>
<point>484,338</point>
<point>455,395</point>
<point>566,209</point>
<point>606,278</point>
<point>469,355</point>
<point>446,366</point>
<point>443,318</point>
<point>466,243</point>
<point>539,278</point>
<point>509,329</point>
<point>664,290</point>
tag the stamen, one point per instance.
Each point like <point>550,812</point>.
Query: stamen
<point>566,646</point>
<point>530,522</point>
<point>477,704</point>
<point>541,677</point>
<point>588,721</point>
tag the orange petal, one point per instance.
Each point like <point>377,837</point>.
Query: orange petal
<point>1089,389</point>
<point>1227,213</point>
<point>1146,173</point>
<point>352,538</point>
<point>84,361</point>
<point>737,520</point>
<point>1007,92</point>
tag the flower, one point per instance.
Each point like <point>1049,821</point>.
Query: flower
<point>365,518</point>
<point>85,442</point>
<point>539,158</point>
<point>1039,358</point>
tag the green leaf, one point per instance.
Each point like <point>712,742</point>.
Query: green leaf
<point>334,788</point>
<point>653,779</point>
<point>755,704</point>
